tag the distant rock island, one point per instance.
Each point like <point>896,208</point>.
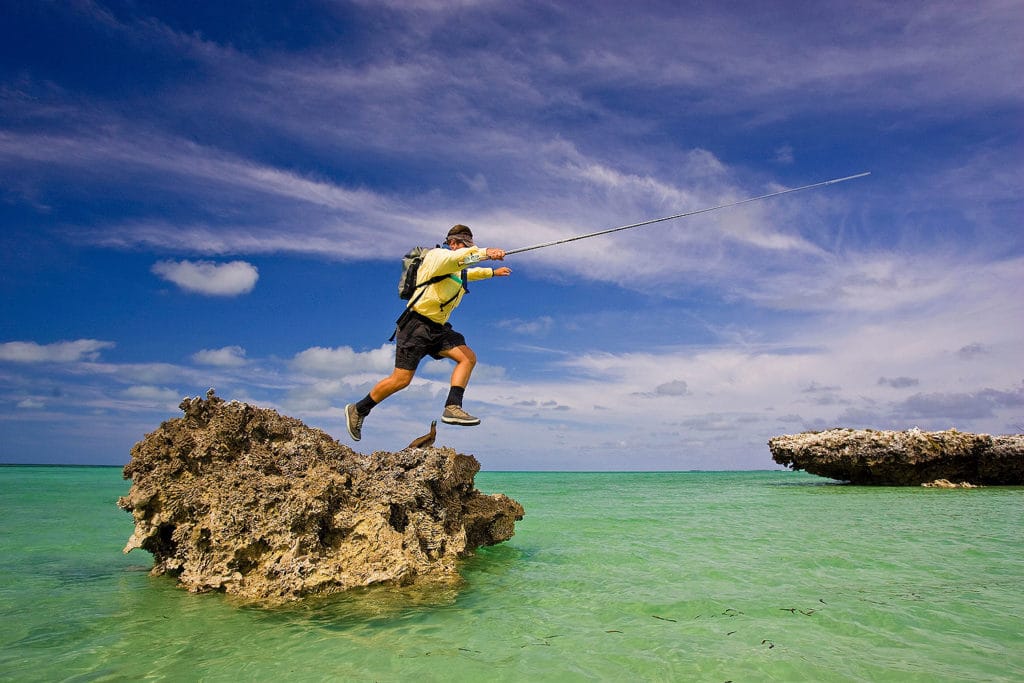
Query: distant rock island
<point>908,458</point>
<point>240,499</point>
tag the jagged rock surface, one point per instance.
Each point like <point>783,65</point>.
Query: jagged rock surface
<point>240,499</point>
<point>907,458</point>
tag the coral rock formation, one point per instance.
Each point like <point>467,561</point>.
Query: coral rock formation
<point>908,458</point>
<point>947,484</point>
<point>240,499</point>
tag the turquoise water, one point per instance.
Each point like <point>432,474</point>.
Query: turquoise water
<point>751,576</point>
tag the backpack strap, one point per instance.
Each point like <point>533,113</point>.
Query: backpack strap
<point>422,289</point>
<point>462,285</point>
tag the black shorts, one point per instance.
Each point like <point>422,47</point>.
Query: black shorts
<point>419,336</point>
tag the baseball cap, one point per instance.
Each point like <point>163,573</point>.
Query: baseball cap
<point>462,233</point>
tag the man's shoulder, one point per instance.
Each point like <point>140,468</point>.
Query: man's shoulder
<point>433,260</point>
<point>434,255</point>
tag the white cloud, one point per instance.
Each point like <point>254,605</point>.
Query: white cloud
<point>882,283</point>
<point>971,351</point>
<point>536,327</point>
<point>207,277</point>
<point>477,183</point>
<point>961,406</point>
<point>898,382</point>
<point>939,410</point>
<point>749,393</point>
<point>31,404</point>
<point>152,395</point>
<point>784,155</point>
<point>537,145</point>
<point>343,360</point>
<point>419,6</point>
<point>830,61</point>
<point>832,369</point>
<point>227,357</point>
<point>58,352</point>
<point>676,387</point>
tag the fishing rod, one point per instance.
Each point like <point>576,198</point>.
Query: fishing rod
<point>688,213</point>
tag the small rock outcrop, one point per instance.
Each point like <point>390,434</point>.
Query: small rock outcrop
<point>907,458</point>
<point>240,499</point>
<point>947,484</point>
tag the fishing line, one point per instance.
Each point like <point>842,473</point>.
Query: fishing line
<point>688,213</point>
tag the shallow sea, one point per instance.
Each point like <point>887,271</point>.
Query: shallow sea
<point>739,576</point>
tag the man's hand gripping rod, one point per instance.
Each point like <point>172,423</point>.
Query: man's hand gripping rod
<point>684,215</point>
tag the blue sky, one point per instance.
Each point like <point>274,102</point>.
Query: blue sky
<point>202,194</point>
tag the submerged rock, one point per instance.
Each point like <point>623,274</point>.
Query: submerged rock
<point>907,458</point>
<point>947,484</point>
<point>240,499</point>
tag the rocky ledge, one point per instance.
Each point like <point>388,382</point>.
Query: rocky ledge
<point>908,458</point>
<point>240,499</point>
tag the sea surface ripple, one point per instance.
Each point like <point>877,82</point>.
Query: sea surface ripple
<point>722,576</point>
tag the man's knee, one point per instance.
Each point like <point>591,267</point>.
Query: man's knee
<point>400,379</point>
<point>468,355</point>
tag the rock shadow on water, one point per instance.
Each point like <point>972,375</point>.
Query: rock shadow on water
<point>238,499</point>
<point>803,481</point>
<point>359,607</point>
<point>368,606</point>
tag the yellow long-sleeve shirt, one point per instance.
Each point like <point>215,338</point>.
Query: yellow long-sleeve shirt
<point>447,262</point>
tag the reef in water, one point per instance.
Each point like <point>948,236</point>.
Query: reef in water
<point>236,498</point>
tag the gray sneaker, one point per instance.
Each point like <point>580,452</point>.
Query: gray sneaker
<point>354,421</point>
<point>455,415</point>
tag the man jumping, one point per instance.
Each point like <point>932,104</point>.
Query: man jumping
<point>424,328</point>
